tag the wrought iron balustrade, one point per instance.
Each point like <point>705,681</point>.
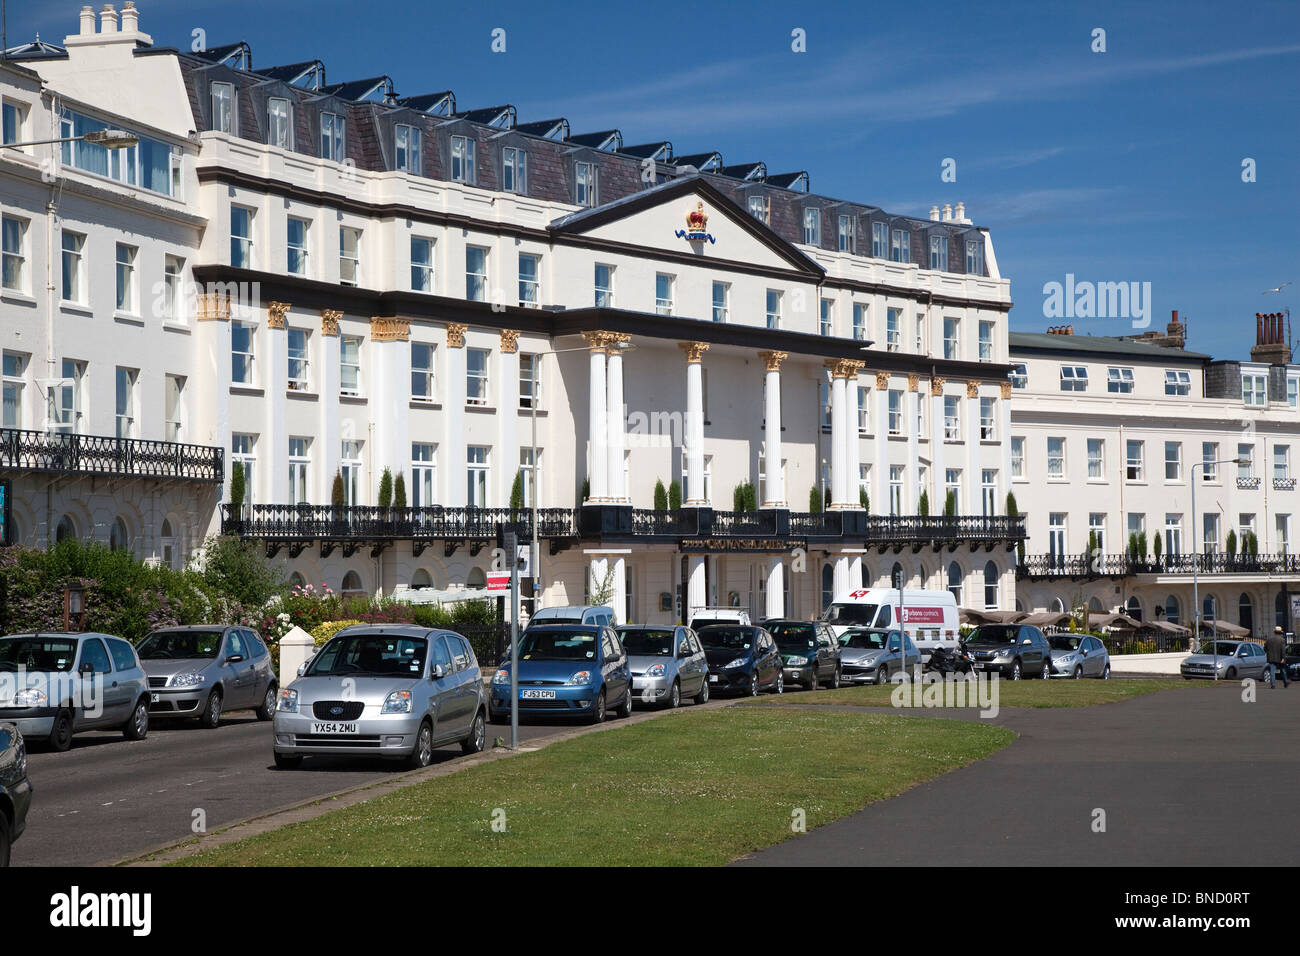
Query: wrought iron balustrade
<point>67,454</point>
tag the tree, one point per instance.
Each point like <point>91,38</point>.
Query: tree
<point>603,594</point>
<point>675,495</point>
<point>751,497</point>
<point>1012,510</point>
<point>1158,547</point>
<point>950,505</point>
<point>661,496</point>
<point>385,499</point>
<point>1252,544</point>
<point>864,499</point>
<point>338,493</point>
<point>814,499</point>
<point>1132,544</point>
<point>237,488</point>
<point>517,491</point>
<point>1142,545</point>
<point>238,569</point>
<point>922,505</point>
<point>399,491</point>
<point>1231,546</point>
<point>738,498</point>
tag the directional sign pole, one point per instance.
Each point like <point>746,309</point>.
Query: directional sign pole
<point>512,547</point>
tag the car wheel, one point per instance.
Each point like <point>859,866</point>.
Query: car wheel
<point>598,713</point>
<point>1015,670</point>
<point>1105,674</point>
<point>703,696</point>
<point>1231,674</point>
<point>813,682</point>
<point>422,752</point>
<point>5,841</point>
<point>675,696</point>
<point>60,738</point>
<point>1078,672</point>
<point>625,710</point>
<point>267,710</point>
<point>288,761</point>
<point>753,685</point>
<point>477,738</point>
<point>211,715</point>
<point>835,679</point>
<point>882,674</point>
<point>137,728</point>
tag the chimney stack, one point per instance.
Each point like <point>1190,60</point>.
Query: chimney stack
<point>87,21</point>
<point>108,19</point>
<point>1271,344</point>
<point>130,17</point>
<point>947,212</point>
<point>934,213</point>
<point>960,214</point>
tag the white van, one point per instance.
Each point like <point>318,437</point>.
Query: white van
<point>929,617</point>
<point>578,614</point>
<point>704,616</point>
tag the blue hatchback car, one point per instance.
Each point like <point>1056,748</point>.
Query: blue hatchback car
<point>566,670</point>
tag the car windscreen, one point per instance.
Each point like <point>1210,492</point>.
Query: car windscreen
<point>864,640</point>
<point>850,613</point>
<point>558,620</point>
<point>793,637</point>
<point>370,655</point>
<point>1064,642</point>
<point>993,634</point>
<point>1220,648</point>
<point>167,645</point>
<point>720,637</point>
<point>44,654</point>
<point>647,643</point>
<point>557,645</point>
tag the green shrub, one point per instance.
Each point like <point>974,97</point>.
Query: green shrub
<point>922,505</point>
<point>238,571</point>
<point>815,499</point>
<point>661,496</point>
<point>675,495</point>
<point>385,498</point>
<point>399,490</point>
<point>237,487</point>
<point>338,493</point>
<point>517,491</point>
<point>321,633</point>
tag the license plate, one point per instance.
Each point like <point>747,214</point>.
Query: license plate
<point>978,666</point>
<point>154,698</point>
<point>333,728</point>
<point>537,695</point>
<point>713,678</point>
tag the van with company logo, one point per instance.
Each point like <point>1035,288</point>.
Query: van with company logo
<point>929,617</point>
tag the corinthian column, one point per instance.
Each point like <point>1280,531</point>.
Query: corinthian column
<point>597,425</point>
<point>694,425</point>
<point>772,450</point>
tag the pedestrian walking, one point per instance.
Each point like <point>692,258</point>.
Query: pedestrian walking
<point>1275,649</point>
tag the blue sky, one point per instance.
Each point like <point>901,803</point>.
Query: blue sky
<point>1115,166</point>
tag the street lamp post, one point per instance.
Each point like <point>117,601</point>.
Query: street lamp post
<point>107,138</point>
<point>1196,561</point>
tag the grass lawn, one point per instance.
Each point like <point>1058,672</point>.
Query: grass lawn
<point>693,787</point>
<point>1023,693</point>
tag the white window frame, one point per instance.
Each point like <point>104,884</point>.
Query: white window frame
<point>349,265</point>
<point>1134,465</point>
<point>476,283</point>
<point>407,149</point>
<point>249,355</point>
<point>477,475</point>
<point>72,266</point>
<point>127,293</point>
<point>225,118</point>
<point>279,128</point>
<point>241,244</point>
<point>424,474</point>
<point>350,385</point>
<point>1096,459</point>
<point>300,250</point>
<point>812,226</point>
<point>848,234</point>
<point>333,137</point>
<point>939,253</point>
<point>1055,458</point>
<point>125,401</point>
<point>514,170</point>
<point>530,287</point>
<point>721,304</point>
<point>426,375</point>
<point>1017,457</point>
<point>463,165</point>
<point>665,290</point>
<point>14,268</point>
<point>299,470</point>
<point>13,366</point>
<point>586,184</point>
<point>1072,376</point>
<point>1119,380</point>
<point>299,359</point>
<point>603,294</point>
<point>422,273</point>
<point>1178,382</point>
<point>478,380</point>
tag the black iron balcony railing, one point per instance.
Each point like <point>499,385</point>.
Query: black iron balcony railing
<point>937,528</point>
<point>1123,565</point>
<point>64,454</point>
<point>1248,484</point>
<point>1284,484</point>
<point>668,523</point>
<point>369,523</point>
<point>744,524</point>
<point>816,524</point>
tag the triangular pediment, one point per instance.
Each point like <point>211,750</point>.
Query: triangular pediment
<point>656,219</point>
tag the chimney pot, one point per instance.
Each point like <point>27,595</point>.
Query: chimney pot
<point>108,19</point>
<point>934,213</point>
<point>87,21</point>
<point>960,214</point>
<point>947,212</point>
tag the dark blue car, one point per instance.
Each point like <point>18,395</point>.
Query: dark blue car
<point>743,659</point>
<point>15,789</point>
<point>566,670</point>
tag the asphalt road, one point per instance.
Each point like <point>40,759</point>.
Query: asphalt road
<point>108,798</point>
<point>1185,777</point>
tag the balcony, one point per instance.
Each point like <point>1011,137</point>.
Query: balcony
<point>1284,484</point>
<point>65,454</point>
<point>1079,566</point>
<point>1248,484</point>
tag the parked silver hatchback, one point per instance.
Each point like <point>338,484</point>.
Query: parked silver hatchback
<point>201,671</point>
<point>396,691</point>
<point>55,685</point>
<point>667,664</point>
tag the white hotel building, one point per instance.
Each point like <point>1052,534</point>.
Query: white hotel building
<point>317,278</point>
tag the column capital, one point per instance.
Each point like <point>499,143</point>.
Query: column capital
<point>329,321</point>
<point>972,389</point>
<point>616,341</point>
<point>694,350</point>
<point>1006,390</point>
<point>845,368</point>
<point>387,328</point>
<point>913,382</point>
<point>772,360</point>
<point>599,340</point>
<point>936,385</point>
<point>882,381</point>
<point>456,335</point>
<point>212,307</point>
<point>509,340</point>
<point>275,314</point>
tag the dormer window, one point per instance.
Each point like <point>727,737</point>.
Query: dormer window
<point>223,107</point>
<point>812,226</point>
<point>331,137</point>
<point>1254,389</point>
<point>584,184</point>
<point>514,170</point>
<point>900,246</point>
<point>760,209</point>
<point>939,253</point>
<point>407,149</point>
<point>974,257</point>
<point>848,234</point>
<point>879,240</point>
<point>462,160</point>
<point>279,122</point>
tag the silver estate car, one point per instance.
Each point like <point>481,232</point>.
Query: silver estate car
<point>1231,659</point>
<point>55,685</point>
<point>1079,655</point>
<point>871,656</point>
<point>667,664</point>
<point>203,670</point>
<point>396,691</point>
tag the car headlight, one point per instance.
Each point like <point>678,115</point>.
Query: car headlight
<point>189,679</point>
<point>739,662</point>
<point>501,677</point>
<point>1004,652</point>
<point>288,701</point>
<point>1067,659</point>
<point>1221,664</point>
<point>398,702</point>
<point>796,661</point>
<point>656,670</point>
<point>581,677</point>
<point>31,697</point>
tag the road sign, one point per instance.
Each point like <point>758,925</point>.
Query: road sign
<point>498,581</point>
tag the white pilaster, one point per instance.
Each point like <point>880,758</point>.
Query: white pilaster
<point>852,444</point>
<point>508,415</point>
<point>619,598</point>
<point>327,446</point>
<point>912,483</point>
<point>972,485</point>
<point>274,379</point>
<point>694,428</point>
<point>616,419</point>
<point>773,451</point>
<point>451,456</point>
<point>597,426</point>
<point>775,604</point>
<point>880,467</point>
<point>937,448</point>
<point>840,585</point>
<point>839,443</point>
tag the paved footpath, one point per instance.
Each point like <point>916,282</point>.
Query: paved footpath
<point>1186,777</point>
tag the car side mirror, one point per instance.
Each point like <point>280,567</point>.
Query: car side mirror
<point>439,672</point>
<point>302,669</point>
<point>1027,640</point>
